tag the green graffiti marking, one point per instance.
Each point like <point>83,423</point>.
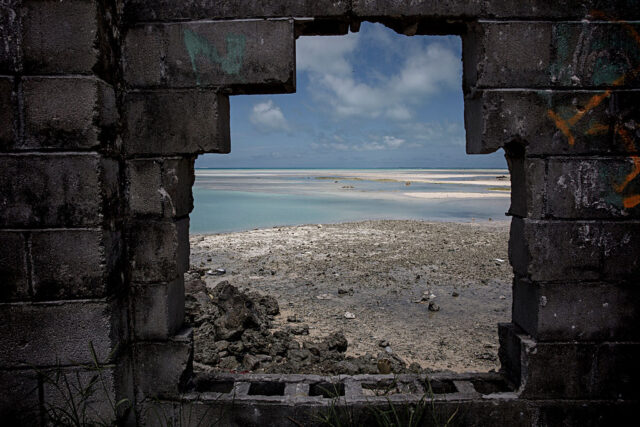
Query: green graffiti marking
<point>198,45</point>
<point>614,69</point>
<point>561,36</point>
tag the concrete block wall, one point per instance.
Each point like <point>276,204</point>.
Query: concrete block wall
<point>106,104</point>
<point>63,303</point>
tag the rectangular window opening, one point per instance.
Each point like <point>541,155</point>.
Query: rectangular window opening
<point>348,232</point>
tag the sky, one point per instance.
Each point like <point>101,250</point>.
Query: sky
<point>372,99</point>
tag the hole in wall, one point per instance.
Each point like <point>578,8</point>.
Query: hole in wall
<point>422,275</point>
<point>327,390</point>
<point>491,386</point>
<point>266,388</point>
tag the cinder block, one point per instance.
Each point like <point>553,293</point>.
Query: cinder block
<point>160,187</point>
<point>575,10</point>
<point>176,122</point>
<point>59,37</point>
<point>158,10</point>
<point>20,403</point>
<point>158,309</point>
<point>620,251</point>
<point>163,368</point>
<point>57,191</point>
<point>91,391</point>
<point>75,263</point>
<point>156,413</point>
<point>528,186</point>
<point>583,311</point>
<point>144,49</point>
<point>420,8</point>
<point>549,251</point>
<point>246,56</point>
<point>68,113</point>
<point>48,334</point>
<point>10,58</point>
<point>159,251</point>
<point>553,122</point>
<point>593,188</point>
<point>617,372</point>
<point>563,251</point>
<point>546,54</point>
<point>571,370</point>
<point>8,113</point>
<point>14,279</point>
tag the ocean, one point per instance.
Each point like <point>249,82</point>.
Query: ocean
<point>227,200</point>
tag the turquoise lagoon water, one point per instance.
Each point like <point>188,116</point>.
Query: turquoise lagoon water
<point>241,199</point>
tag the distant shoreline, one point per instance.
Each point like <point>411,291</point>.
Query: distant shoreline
<point>228,200</point>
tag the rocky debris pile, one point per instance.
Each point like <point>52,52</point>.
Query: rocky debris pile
<point>233,331</point>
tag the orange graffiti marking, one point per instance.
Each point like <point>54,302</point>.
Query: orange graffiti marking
<point>565,125</point>
<point>598,129</point>
<point>634,173</point>
<point>626,138</point>
<point>631,201</point>
<point>562,125</point>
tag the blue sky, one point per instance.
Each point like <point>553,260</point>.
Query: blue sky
<point>365,100</point>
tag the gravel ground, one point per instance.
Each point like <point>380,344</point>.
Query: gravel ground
<point>384,273</point>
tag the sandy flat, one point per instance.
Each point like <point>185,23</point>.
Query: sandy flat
<point>474,177</point>
<point>377,270</point>
<point>441,195</point>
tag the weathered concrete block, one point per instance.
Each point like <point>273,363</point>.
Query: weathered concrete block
<point>14,278</point>
<point>246,56</point>
<point>171,122</point>
<point>159,251</point>
<point>156,413</point>
<point>20,402</point>
<point>163,10</point>
<point>585,311</point>
<point>144,50</point>
<point>528,186</point>
<point>567,9</point>
<point>92,391</point>
<point>160,187</point>
<point>59,37</point>
<point>9,121</point>
<point>419,8</point>
<point>593,188</point>
<point>57,191</point>
<point>48,334</point>
<point>573,251</point>
<point>617,374</point>
<point>544,250</point>
<point>68,113</point>
<point>75,263</point>
<point>570,370</point>
<point>163,368</point>
<point>620,250</point>
<point>553,122</point>
<point>10,58</point>
<point>159,309</point>
<point>545,54</point>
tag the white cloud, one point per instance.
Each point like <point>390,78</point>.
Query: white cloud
<point>387,143</point>
<point>392,141</point>
<point>268,117</point>
<point>325,54</point>
<point>424,72</point>
<point>434,133</point>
